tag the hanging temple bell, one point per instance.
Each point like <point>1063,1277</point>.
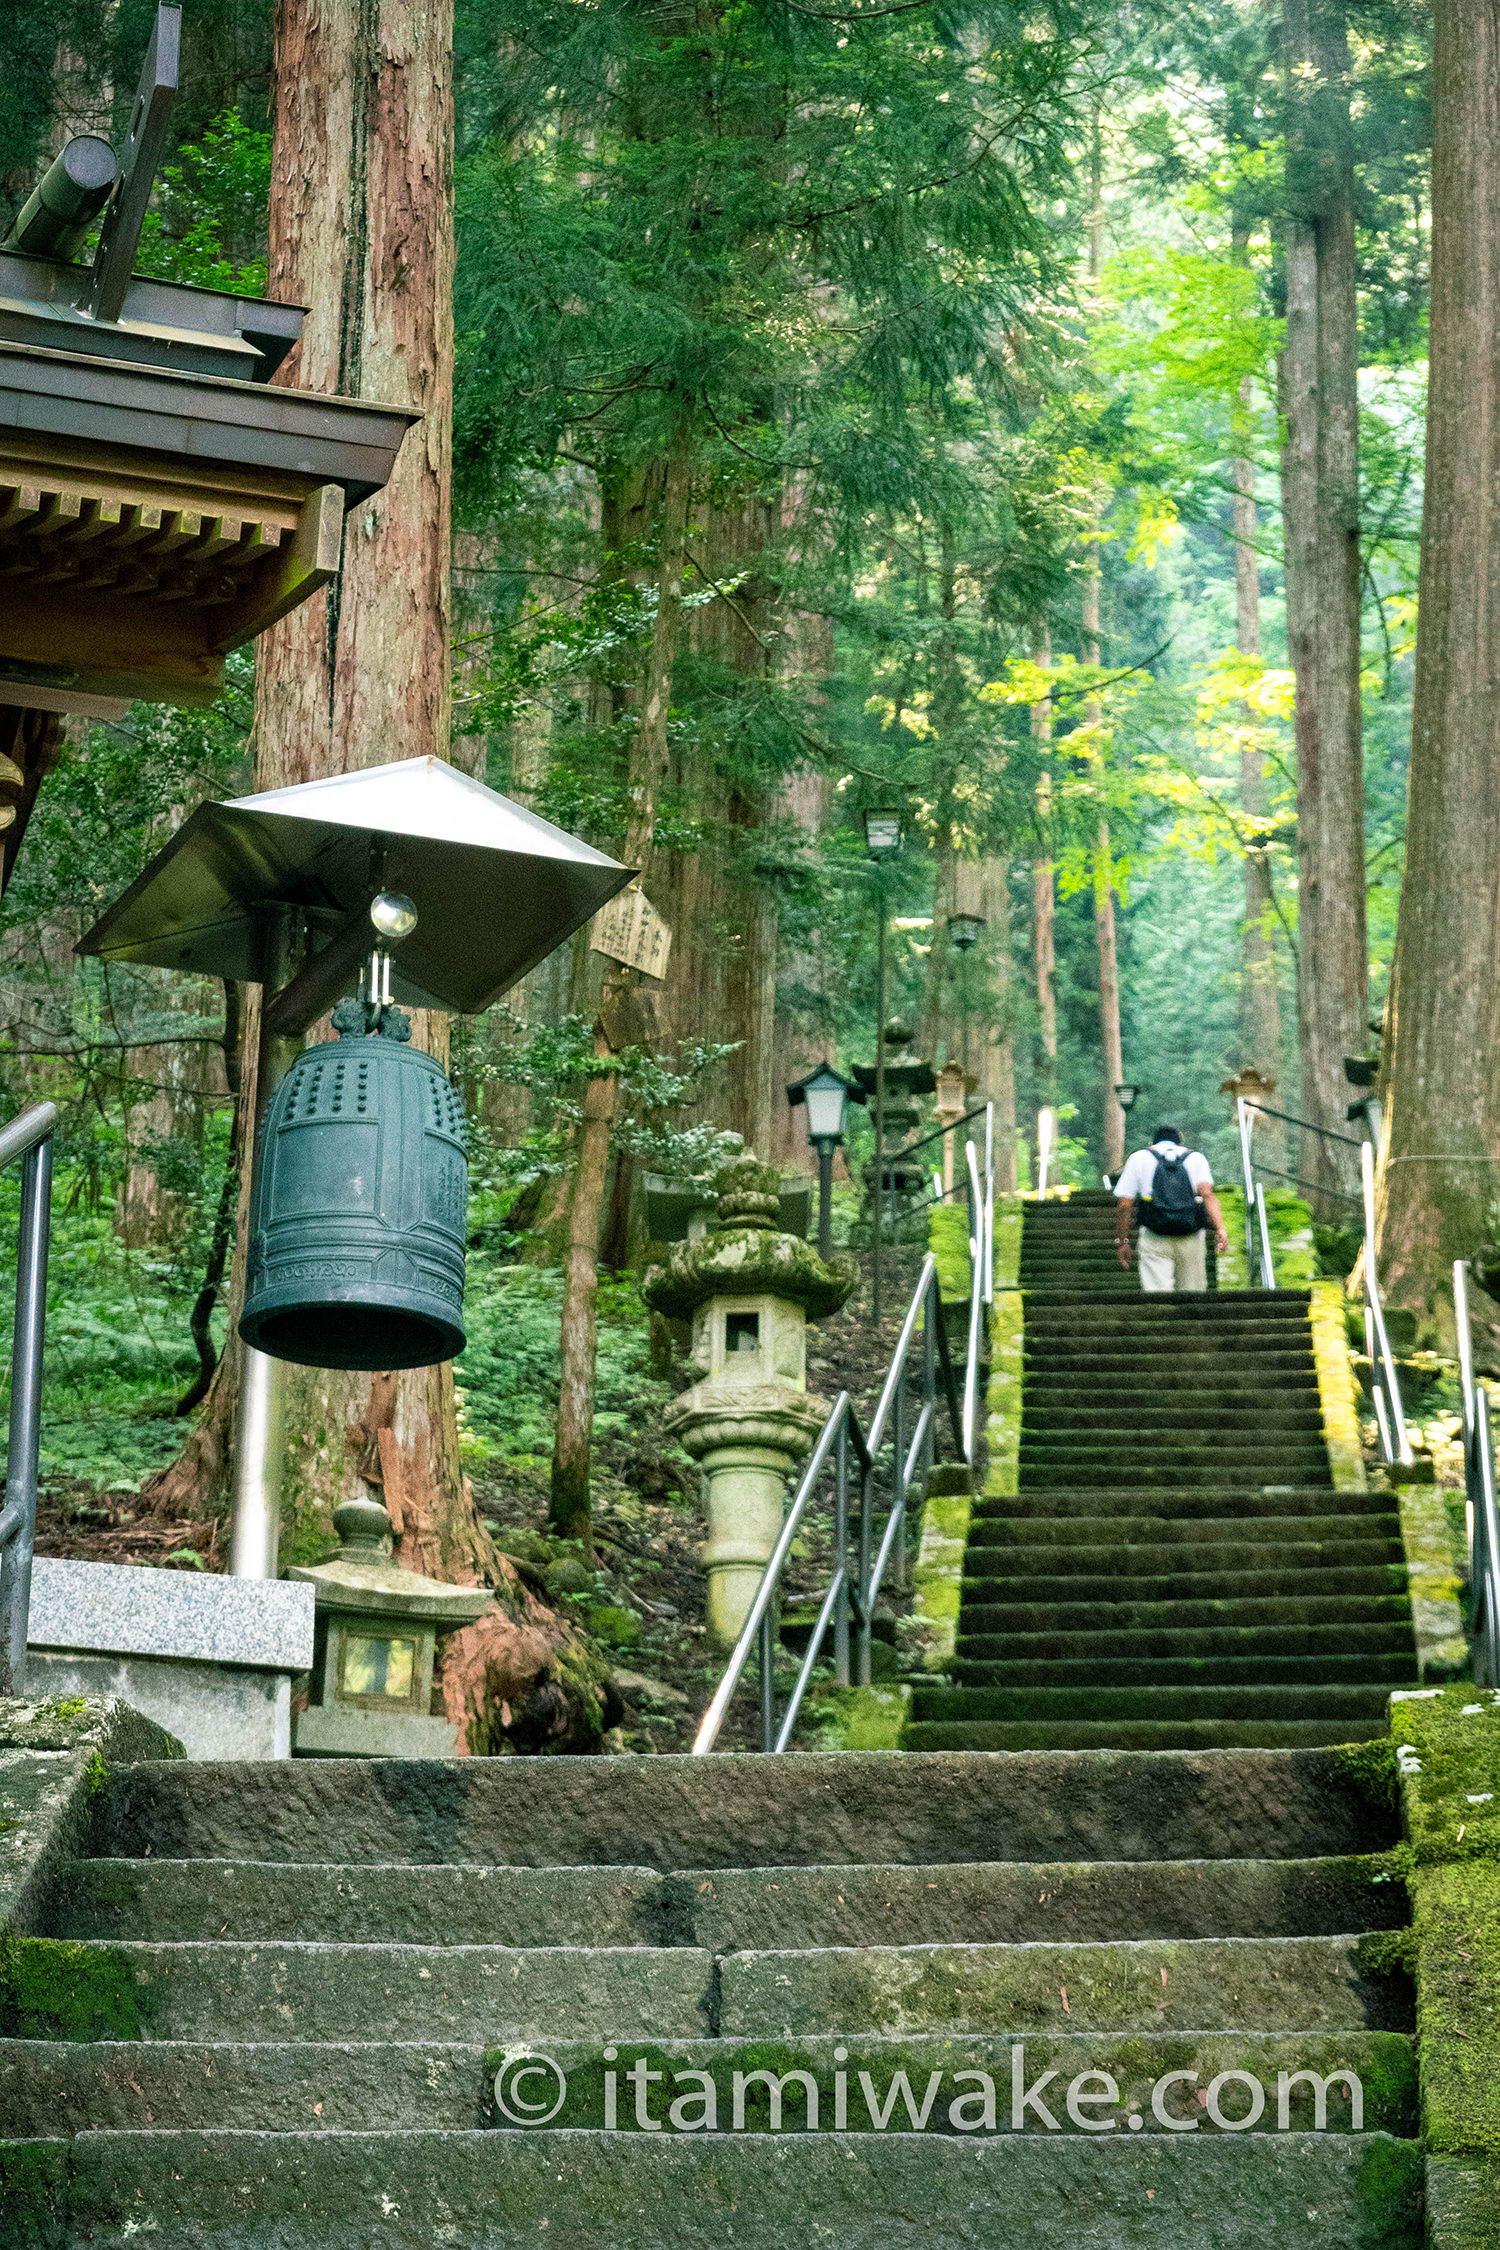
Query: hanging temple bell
<point>358,1214</point>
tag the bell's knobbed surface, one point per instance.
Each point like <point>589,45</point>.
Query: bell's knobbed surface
<point>357,1225</point>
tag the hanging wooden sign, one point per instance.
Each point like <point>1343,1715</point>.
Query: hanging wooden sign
<point>629,929</point>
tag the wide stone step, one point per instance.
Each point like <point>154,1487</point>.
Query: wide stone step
<point>674,1812</point>
<point>1232,1388</point>
<point>998,1534</point>
<point>1237,1417</point>
<point>247,1900</point>
<point>1191,1984</point>
<point>1152,1557</point>
<point>1109,1579</point>
<point>1249,1476</point>
<point>1225,1643</point>
<point>137,1988</point>
<point>1361,1700</point>
<point>1139,1734</point>
<point>1285,1613</point>
<point>271,2087</point>
<point>1290,1503</point>
<point>1204,1366</point>
<point>745,1909</point>
<point>1396,1670</point>
<point>637,2191</point>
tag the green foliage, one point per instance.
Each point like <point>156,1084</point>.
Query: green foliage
<point>508,1375</point>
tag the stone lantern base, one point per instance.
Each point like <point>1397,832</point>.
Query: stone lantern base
<point>748,1439</point>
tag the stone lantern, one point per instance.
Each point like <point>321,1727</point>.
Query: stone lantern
<point>749,1291</point>
<point>375,1641</point>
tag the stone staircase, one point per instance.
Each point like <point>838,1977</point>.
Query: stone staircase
<point>1177,1569</point>
<point>287,2006</point>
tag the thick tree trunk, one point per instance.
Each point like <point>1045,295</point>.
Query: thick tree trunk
<point>1104,915</point>
<point>1443,1122</point>
<point>1044,898</point>
<point>997,1061</point>
<point>361,232</point>
<point>1320,501</point>
<point>569,1503</point>
<point>1260,1006</point>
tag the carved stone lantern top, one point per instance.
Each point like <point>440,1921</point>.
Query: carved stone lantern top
<point>746,1255</point>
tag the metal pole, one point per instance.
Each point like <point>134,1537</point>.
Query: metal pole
<point>989,1203</point>
<point>768,1678</point>
<point>866,1567</point>
<point>1267,1267</point>
<point>879,1097</point>
<point>1247,1170</point>
<point>1399,1437</point>
<point>255,1528</point>
<point>24,1439</point>
<point>841,1556</point>
<point>825,1198</point>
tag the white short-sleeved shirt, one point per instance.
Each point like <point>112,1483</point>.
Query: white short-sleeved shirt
<point>1139,1175</point>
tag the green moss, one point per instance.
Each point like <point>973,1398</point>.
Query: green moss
<point>615,1627</point>
<point>69,1707</point>
<point>33,2192</point>
<point>1458,2007</point>
<point>1448,1745</point>
<point>1390,2196</point>
<point>52,1988</point>
<point>948,1240</point>
<point>1373,1766</point>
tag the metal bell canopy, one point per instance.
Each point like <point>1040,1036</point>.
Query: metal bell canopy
<point>496,887</point>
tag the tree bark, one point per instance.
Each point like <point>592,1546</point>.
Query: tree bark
<point>1044,898</point>
<point>569,1505</point>
<point>1320,503</point>
<point>361,232</point>
<point>1260,1005</point>
<point>1442,1140</point>
<point>1104,914</point>
<point>997,1082</point>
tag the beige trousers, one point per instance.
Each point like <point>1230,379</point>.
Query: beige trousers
<point>1172,1261</point>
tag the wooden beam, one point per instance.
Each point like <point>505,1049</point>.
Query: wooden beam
<point>308,561</point>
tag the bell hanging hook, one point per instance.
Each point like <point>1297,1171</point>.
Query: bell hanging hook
<point>394,916</point>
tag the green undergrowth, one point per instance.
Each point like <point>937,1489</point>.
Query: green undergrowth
<point>508,1374</point>
<point>1294,1251</point>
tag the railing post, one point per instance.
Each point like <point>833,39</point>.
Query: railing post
<point>1267,1265</point>
<point>930,1321</point>
<point>1247,1174</point>
<point>898,1477</point>
<point>1401,1444</point>
<point>841,1554</point>
<point>23,1443</point>
<point>866,1566</point>
<point>768,1678</point>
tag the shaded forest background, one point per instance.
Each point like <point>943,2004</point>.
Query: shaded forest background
<point>937,374</point>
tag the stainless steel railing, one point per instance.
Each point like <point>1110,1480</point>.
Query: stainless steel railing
<point>859,1565</point>
<point>28,1136</point>
<point>1479,1491</point>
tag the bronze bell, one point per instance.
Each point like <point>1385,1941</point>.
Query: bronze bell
<point>359,1210</point>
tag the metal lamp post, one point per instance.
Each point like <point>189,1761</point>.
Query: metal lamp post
<point>826,1094</point>
<point>964,933</point>
<point>882,842</point>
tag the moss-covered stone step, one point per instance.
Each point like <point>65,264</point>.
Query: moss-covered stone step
<point>1395,1670</point>
<point>1238,1415</point>
<point>1243,1476</point>
<point>1283,1503</point>
<point>1189,1984</point>
<point>1001,1533</point>
<point>289,2087</point>
<point>1286,1613</point>
<point>1109,1579</point>
<point>246,1899</point>
<point>1218,1556</point>
<point>1249,1642</point>
<point>1162,1460</point>
<point>1139,1734</point>
<point>670,2191</point>
<point>1352,1700</point>
<point>673,1812</point>
<point>143,1989</point>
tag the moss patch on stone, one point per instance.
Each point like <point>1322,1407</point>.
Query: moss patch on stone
<point>1336,1392</point>
<point>861,1718</point>
<point>55,1988</point>
<point>1003,1401</point>
<point>33,2192</point>
<point>1294,1253</point>
<point>1010,1213</point>
<point>948,1240</point>
<point>1447,1746</point>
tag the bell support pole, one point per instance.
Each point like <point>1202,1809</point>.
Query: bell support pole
<point>290,1006</point>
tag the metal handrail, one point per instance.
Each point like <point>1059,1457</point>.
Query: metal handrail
<point>978,1265</point>
<point>28,1136</point>
<point>851,1594</point>
<point>1479,1488</point>
<point>1394,1442</point>
<point>1267,1263</point>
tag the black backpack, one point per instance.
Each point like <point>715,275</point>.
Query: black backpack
<point>1172,1206</point>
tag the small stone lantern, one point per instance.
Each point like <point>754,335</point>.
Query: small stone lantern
<point>749,1291</point>
<point>376,1637</point>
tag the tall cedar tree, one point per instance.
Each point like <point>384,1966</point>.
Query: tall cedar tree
<point>1442,1152</point>
<point>710,251</point>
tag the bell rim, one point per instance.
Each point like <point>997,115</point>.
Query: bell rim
<point>448,1332</point>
